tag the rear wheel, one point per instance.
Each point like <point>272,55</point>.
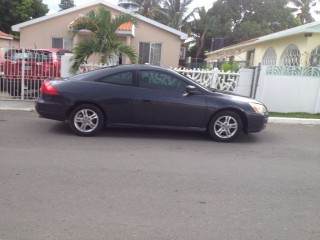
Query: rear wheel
<point>86,120</point>
<point>225,126</point>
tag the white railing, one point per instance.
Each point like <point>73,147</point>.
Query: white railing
<point>224,81</point>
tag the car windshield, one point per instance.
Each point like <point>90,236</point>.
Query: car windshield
<point>39,56</point>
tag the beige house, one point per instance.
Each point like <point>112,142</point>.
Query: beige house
<point>155,43</point>
<point>299,46</point>
<point>7,40</point>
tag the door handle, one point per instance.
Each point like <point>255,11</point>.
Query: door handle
<point>146,100</point>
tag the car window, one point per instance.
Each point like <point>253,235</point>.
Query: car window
<point>124,78</point>
<point>161,81</point>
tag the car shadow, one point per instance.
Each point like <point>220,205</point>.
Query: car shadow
<point>153,133</point>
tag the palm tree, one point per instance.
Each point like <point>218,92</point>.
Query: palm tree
<point>149,8</point>
<point>199,29</point>
<point>103,39</point>
<point>304,8</point>
<point>174,13</point>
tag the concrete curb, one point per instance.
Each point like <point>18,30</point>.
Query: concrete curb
<point>17,109</point>
<point>294,120</point>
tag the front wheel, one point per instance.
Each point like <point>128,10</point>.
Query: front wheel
<point>86,120</point>
<point>225,126</point>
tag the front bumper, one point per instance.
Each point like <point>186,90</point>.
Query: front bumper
<point>257,121</point>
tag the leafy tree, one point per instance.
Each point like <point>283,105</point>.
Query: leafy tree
<point>241,20</point>
<point>16,11</point>
<point>65,4</point>
<point>271,16</point>
<point>303,7</point>
<point>103,39</point>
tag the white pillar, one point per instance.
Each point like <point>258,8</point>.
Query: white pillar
<point>66,65</point>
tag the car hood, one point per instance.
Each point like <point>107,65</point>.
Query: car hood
<point>235,97</point>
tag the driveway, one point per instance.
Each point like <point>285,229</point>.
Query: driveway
<point>155,184</point>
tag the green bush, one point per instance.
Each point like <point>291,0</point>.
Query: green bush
<point>233,67</point>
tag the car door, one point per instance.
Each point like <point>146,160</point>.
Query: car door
<point>115,94</point>
<point>161,100</point>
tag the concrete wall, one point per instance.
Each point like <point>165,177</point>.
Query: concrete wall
<point>289,93</point>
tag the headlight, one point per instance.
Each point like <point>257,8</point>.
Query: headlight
<point>259,108</point>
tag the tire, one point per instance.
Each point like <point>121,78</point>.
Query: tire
<point>86,120</point>
<point>225,126</point>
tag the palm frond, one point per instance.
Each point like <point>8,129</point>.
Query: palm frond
<point>82,51</point>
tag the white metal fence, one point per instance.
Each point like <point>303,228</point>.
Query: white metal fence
<point>23,71</point>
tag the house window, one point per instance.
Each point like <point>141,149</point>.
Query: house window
<point>269,57</point>
<point>290,56</point>
<point>150,53</point>
<point>65,43</point>
<point>315,57</point>
<point>250,57</point>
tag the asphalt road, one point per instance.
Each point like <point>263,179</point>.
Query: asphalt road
<point>151,184</point>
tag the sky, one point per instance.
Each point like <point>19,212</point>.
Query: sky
<point>54,4</point>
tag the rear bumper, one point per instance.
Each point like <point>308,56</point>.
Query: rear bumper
<point>257,122</point>
<point>51,110</point>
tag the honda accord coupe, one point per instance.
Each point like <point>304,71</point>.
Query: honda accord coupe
<point>147,96</point>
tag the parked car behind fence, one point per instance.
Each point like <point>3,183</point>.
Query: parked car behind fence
<point>25,71</point>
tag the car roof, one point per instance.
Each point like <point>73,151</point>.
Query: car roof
<point>136,67</point>
<point>95,74</point>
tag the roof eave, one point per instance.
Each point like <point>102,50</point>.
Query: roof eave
<point>17,27</point>
<point>307,28</point>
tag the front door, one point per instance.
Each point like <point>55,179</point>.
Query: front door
<point>161,100</point>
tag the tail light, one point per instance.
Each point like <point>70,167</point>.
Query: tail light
<point>47,88</point>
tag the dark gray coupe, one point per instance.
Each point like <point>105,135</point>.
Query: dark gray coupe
<point>147,96</point>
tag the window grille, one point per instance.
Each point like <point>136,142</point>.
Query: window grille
<point>315,57</point>
<point>291,56</point>
<point>269,57</point>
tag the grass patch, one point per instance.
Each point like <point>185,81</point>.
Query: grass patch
<point>295,115</point>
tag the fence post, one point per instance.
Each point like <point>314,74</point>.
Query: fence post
<point>66,65</point>
<point>23,68</point>
<point>215,76</point>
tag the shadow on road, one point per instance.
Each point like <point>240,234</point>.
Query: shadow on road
<point>150,133</point>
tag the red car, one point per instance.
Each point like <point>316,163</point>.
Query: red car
<point>35,64</point>
<point>6,53</point>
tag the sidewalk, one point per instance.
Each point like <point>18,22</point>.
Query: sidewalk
<point>29,106</point>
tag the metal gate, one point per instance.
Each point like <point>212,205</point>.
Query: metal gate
<point>24,70</point>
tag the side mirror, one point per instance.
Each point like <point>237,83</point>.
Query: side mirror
<point>191,90</point>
